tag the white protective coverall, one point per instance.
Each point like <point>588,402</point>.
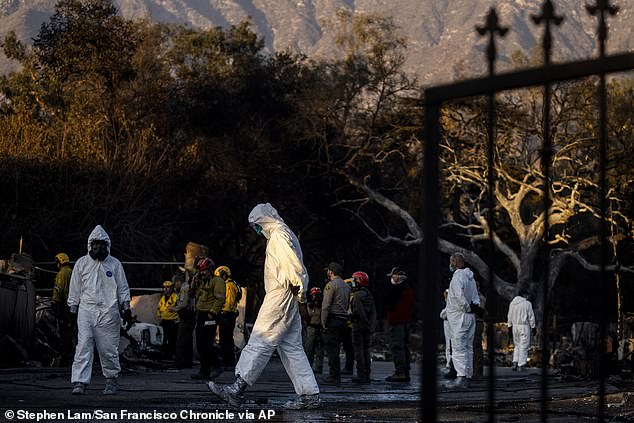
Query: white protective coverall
<point>99,288</point>
<point>447,329</point>
<point>521,319</point>
<point>462,292</point>
<point>278,325</point>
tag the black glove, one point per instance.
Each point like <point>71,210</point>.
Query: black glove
<point>127,316</point>
<point>477,310</point>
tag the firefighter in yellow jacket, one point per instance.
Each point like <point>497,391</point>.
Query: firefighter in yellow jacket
<point>62,282</point>
<point>169,318</point>
<point>66,322</point>
<point>228,317</point>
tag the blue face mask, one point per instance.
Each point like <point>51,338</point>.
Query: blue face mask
<point>451,268</point>
<point>257,228</point>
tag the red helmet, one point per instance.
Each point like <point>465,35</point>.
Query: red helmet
<point>315,291</point>
<point>205,263</point>
<point>362,278</point>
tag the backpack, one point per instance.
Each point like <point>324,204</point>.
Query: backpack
<point>239,293</point>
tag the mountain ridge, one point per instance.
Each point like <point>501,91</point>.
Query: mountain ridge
<point>433,27</point>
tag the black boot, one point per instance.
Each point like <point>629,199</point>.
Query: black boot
<point>232,394</point>
<point>451,374</point>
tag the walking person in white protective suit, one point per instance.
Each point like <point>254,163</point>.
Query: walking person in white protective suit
<point>462,301</point>
<point>278,325</point>
<point>99,292</point>
<point>522,320</point>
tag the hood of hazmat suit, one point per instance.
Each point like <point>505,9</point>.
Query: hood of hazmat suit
<point>521,312</point>
<point>283,264</point>
<point>278,325</point>
<point>99,289</point>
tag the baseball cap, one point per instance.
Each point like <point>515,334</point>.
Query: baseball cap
<point>335,268</point>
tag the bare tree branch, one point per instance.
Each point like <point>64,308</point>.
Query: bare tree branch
<point>415,234</point>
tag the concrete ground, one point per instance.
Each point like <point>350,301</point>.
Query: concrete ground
<point>170,395</point>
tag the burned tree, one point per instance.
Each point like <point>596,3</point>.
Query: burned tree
<point>370,136</point>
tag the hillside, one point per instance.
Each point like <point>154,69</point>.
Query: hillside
<point>442,41</point>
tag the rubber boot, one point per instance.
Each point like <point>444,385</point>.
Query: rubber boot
<point>232,394</point>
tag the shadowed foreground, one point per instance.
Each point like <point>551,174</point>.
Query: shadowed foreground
<point>172,393</point>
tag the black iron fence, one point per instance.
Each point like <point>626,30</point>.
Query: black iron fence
<point>544,76</point>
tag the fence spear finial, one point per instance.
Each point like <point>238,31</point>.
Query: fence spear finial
<point>601,8</point>
<point>548,18</point>
<point>493,28</point>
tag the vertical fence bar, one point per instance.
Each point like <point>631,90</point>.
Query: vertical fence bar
<point>546,158</point>
<point>492,28</point>
<point>603,280</point>
<point>431,208</point>
<point>491,304</point>
<point>601,8</point>
<point>547,17</point>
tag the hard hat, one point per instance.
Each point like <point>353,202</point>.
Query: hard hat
<point>315,291</point>
<point>204,263</point>
<point>168,284</point>
<point>362,278</point>
<point>62,258</point>
<point>222,269</point>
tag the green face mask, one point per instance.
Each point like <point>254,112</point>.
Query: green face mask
<point>451,268</point>
<point>257,228</point>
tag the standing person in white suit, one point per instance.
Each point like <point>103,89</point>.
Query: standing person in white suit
<point>462,301</point>
<point>98,294</point>
<point>278,325</point>
<point>522,320</point>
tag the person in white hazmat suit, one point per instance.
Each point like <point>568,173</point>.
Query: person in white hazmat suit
<point>462,300</point>
<point>450,371</point>
<point>522,321</point>
<point>278,324</point>
<point>98,293</point>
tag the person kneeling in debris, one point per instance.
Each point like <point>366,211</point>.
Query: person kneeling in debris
<point>98,293</point>
<point>278,325</point>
